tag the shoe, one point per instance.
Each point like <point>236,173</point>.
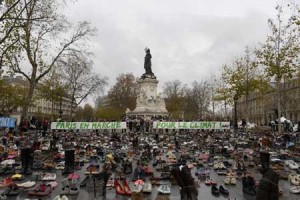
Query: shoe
<point>65,186</point>
<point>74,190</point>
<point>227,180</point>
<point>233,181</point>
<point>6,182</point>
<point>213,182</point>
<point>147,188</point>
<point>137,188</point>
<point>126,188</point>
<point>119,188</point>
<point>3,197</point>
<point>110,183</point>
<point>223,190</point>
<point>164,189</point>
<point>208,181</point>
<point>215,190</point>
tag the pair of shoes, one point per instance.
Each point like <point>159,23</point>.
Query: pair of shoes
<point>64,197</point>
<point>147,187</point>
<point>230,180</point>
<point>221,190</point>
<point>215,190</point>
<point>69,187</point>
<point>164,189</point>
<point>122,189</point>
<point>3,197</point>
<point>92,169</point>
<point>210,181</point>
<point>110,182</point>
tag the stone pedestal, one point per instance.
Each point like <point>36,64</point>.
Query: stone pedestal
<point>148,103</point>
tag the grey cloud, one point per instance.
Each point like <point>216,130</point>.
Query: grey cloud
<point>184,45</point>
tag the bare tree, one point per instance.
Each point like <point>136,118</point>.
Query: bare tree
<point>38,44</point>
<point>175,94</point>
<point>76,73</point>
<point>199,98</point>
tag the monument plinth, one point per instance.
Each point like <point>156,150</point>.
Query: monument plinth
<point>148,103</point>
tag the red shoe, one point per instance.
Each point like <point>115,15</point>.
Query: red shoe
<point>126,187</point>
<point>119,188</point>
<point>6,182</point>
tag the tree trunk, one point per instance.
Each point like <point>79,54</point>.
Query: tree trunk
<point>247,110</point>
<point>225,107</point>
<point>279,106</point>
<point>28,99</point>
<point>72,109</point>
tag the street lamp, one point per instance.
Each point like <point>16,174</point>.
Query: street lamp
<point>51,90</point>
<point>235,121</point>
<point>60,110</point>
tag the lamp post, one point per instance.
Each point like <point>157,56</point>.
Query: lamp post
<point>235,122</point>
<point>51,88</point>
<point>60,110</point>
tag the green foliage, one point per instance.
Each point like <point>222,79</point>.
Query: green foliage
<point>12,97</point>
<point>241,77</point>
<point>79,114</point>
<point>123,94</point>
<point>279,54</point>
<point>88,112</point>
<point>51,92</point>
<point>36,33</point>
<point>107,113</point>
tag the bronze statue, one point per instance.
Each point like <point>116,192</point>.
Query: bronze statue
<point>147,64</point>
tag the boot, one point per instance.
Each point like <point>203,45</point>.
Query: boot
<point>71,161</point>
<point>67,162</point>
<point>65,186</point>
<point>265,161</point>
<point>23,160</point>
<point>29,159</point>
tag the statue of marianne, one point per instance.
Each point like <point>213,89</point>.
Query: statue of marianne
<point>147,64</point>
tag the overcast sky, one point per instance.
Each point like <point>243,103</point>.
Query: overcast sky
<point>189,39</point>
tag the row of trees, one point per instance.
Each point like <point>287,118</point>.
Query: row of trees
<point>182,101</point>
<point>277,60</point>
<point>37,42</point>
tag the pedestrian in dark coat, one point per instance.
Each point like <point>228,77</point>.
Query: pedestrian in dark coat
<point>268,186</point>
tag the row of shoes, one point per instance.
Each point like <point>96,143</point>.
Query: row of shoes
<point>217,191</point>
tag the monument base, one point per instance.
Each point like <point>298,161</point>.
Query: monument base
<point>148,103</point>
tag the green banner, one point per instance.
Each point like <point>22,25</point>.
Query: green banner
<point>191,125</point>
<point>87,125</point>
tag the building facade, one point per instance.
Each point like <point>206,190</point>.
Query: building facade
<point>263,108</point>
<point>41,108</point>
